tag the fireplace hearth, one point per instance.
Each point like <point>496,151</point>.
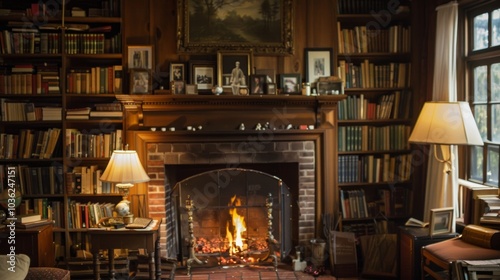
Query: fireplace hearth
<point>232,216</point>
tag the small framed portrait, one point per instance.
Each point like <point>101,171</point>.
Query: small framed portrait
<point>290,83</point>
<point>233,69</point>
<point>441,221</point>
<point>202,74</point>
<point>140,57</point>
<point>257,84</point>
<point>318,63</point>
<point>271,88</point>
<point>140,81</point>
<point>191,89</point>
<point>177,71</point>
<point>178,87</point>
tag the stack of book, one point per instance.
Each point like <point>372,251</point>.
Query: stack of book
<point>31,220</point>
<point>107,110</point>
<point>78,113</point>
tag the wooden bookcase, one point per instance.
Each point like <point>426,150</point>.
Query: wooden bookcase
<point>375,160</point>
<point>52,57</point>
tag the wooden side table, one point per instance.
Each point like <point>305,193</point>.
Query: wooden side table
<point>411,241</point>
<point>148,239</point>
<point>36,242</point>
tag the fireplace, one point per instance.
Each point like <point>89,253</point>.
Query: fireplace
<point>232,216</point>
<point>290,146</point>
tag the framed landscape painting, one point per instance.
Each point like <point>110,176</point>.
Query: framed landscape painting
<point>205,27</point>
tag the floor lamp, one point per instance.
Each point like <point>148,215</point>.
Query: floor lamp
<point>446,123</point>
<point>124,169</point>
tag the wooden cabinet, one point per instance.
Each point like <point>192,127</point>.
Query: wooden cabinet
<point>37,243</point>
<point>411,240</point>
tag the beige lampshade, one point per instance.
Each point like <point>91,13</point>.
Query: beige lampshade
<point>447,123</point>
<point>124,167</point>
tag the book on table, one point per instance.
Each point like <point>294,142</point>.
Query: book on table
<point>28,218</point>
<point>34,224</point>
<point>412,222</point>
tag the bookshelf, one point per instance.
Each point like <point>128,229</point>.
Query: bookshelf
<point>374,121</point>
<point>57,59</point>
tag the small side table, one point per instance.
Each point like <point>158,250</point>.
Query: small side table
<point>411,241</point>
<point>148,239</point>
<point>35,242</point>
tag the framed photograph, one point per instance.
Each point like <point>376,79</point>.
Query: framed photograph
<point>318,63</point>
<point>270,74</point>
<point>258,84</point>
<point>191,89</point>
<point>177,71</point>
<point>271,88</point>
<point>202,74</point>
<point>140,57</point>
<point>290,83</point>
<point>235,26</point>
<point>140,81</point>
<point>233,70</point>
<point>441,221</point>
<point>178,87</point>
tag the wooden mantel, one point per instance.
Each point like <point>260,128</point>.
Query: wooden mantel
<point>227,112</point>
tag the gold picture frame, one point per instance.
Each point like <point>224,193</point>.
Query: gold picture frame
<point>202,33</point>
<point>227,62</point>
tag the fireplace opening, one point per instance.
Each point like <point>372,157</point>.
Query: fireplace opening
<point>232,216</point>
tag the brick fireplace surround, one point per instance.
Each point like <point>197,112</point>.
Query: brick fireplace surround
<point>221,142</point>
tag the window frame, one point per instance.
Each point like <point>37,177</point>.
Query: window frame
<point>472,59</point>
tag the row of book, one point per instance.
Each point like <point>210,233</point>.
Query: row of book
<point>107,8</point>
<point>29,143</point>
<point>353,204</point>
<point>11,110</point>
<point>373,138</point>
<point>368,6</point>
<point>82,144</point>
<point>92,43</point>
<point>34,180</point>
<point>362,39</point>
<point>29,79</point>
<point>29,41</point>
<point>86,180</point>
<point>95,80</point>
<point>395,105</point>
<point>368,75</point>
<point>374,169</point>
<point>88,215</point>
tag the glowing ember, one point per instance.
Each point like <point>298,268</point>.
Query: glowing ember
<point>238,225</point>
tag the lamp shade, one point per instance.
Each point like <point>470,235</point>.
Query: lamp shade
<point>124,167</point>
<point>447,123</point>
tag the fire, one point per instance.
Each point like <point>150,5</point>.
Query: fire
<point>235,238</point>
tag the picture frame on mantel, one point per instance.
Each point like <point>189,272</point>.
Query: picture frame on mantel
<point>227,62</point>
<point>318,63</point>
<point>140,57</point>
<point>228,28</point>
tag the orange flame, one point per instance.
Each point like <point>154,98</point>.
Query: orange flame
<point>239,227</point>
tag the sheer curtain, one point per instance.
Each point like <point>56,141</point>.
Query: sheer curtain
<point>442,187</point>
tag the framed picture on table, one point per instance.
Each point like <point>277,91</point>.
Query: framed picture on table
<point>441,221</point>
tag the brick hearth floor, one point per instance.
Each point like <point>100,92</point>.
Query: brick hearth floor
<point>248,273</point>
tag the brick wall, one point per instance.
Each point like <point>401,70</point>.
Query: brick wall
<point>232,153</point>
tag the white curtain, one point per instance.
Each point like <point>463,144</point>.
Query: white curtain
<point>442,187</point>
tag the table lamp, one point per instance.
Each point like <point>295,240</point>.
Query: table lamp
<point>446,123</point>
<point>124,169</point>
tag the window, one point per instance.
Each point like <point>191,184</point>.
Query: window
<point>483,79</point>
